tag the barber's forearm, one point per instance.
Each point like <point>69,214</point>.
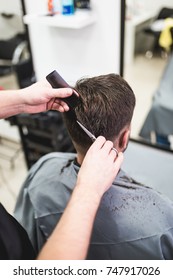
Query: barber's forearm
<point>10,103</point>
<point>71,236</point>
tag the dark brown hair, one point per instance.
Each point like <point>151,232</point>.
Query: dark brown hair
<point>106,108</point>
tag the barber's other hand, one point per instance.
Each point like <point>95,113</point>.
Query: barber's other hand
<point>41,97</point>
<point>100,166</point>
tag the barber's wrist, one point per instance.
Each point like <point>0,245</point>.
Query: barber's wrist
<point>24,100</point>
<point>16,102</point>
<point>89,192</point>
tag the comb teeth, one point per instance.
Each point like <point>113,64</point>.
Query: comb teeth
<point>57,81</point>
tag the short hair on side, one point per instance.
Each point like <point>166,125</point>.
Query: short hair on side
<point>107,105</point>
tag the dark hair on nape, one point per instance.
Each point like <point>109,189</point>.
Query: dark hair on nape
<point>107,104</point>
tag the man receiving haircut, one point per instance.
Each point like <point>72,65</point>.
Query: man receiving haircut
<point>133,221</point>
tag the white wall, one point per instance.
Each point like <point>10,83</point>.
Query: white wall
<point>154,5</point>
<point>9,27</point>
<point>10,6</point>
<point>92,50</point>
<point>36,6</point>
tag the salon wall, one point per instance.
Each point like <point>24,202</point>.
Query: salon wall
<point>152,6</point>
<point>91,50</point>
<point>156,4</point>
<point>10,6</point>
<point>74,53</point>
<point>39,6</point>
<point>10,26</point>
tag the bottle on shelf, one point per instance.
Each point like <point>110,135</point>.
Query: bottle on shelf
<point>67,7</point>
<point>54,6</point>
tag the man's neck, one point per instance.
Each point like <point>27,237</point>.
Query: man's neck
<point>80,158</point>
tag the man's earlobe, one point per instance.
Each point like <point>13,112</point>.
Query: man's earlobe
<point>124,139</point>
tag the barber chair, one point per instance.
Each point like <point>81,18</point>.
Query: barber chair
<point>24,73</point>
<point>42,133</point>
<point>11,52</point>
<point>155,32</point>
<point>15,57</point>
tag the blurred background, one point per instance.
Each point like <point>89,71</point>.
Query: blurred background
<point>36,38</point>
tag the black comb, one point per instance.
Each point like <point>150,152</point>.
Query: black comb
<point>57,81</point>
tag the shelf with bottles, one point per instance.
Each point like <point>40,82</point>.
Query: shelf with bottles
<point>78,20</point>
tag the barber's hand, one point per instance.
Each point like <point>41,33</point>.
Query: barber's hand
<point>41,97</point>
<point>100,166</point>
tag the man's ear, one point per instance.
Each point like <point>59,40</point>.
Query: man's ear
<point>124,139</point>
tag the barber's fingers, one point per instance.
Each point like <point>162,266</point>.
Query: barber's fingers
<point>98,143</point>
<point>107,146</point>
<point>60,92</point>
<point>59,105</point>
<point>113,154</point>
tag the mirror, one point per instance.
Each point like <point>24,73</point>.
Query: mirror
<point>148,68</point>
<point>16,69</point>
<point>13,39</point>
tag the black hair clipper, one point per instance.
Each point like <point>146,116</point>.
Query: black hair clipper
<point>57,81</point>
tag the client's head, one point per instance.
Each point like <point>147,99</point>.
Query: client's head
<point>106,108</point>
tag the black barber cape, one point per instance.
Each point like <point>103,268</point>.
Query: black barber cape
<point>14,241</point>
